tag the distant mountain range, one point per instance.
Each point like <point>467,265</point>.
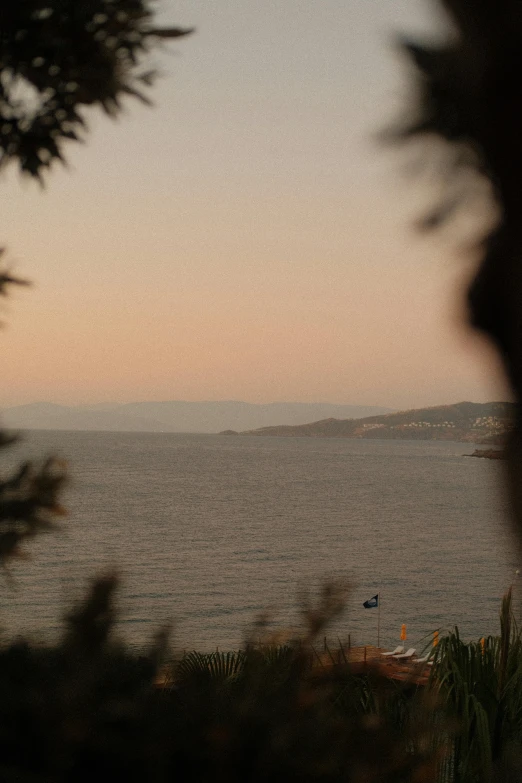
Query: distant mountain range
<point>466,421</point>
<point>176,415</point>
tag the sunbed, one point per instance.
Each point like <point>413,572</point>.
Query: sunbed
<point>405,656</point>
<point>397,651</point>
<point>425,659</point>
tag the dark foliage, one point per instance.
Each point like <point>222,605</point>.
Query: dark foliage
<point>469,95</point>
<point>29,504</point>
<point>58,57</point>
<point>7,279</point>
<point>91,709</point>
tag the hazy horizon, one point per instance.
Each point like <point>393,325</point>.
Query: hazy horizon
<point>247,238</point>
<point>185,416</point>
<point>202,401</point>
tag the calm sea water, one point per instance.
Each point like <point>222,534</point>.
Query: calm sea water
<point>209,531</point>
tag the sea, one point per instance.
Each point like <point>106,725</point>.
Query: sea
<point>217,536</point>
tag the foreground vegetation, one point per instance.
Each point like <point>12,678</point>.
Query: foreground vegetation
<point>480,684</point>
<point>91,708</point>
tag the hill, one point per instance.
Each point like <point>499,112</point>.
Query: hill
<point>175,415</point>
<point>464,421</point>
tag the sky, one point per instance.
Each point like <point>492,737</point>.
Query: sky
<point>248,237</point>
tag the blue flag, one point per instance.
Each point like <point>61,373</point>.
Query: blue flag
<point>371,603</point>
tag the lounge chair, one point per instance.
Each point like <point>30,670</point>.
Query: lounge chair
<point>405,656</point>
<point>398,650</point>
<point>425,659</point>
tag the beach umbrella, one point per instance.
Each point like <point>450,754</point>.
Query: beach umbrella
<point>404,635</point>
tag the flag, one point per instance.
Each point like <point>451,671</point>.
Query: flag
<point>371,603</point>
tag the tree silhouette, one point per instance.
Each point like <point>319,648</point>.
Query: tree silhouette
<point>469,96</point>
<point>57,58</point>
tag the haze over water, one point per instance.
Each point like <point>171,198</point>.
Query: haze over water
<point>209,531</point>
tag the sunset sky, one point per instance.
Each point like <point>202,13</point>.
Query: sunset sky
<point>247,238</point>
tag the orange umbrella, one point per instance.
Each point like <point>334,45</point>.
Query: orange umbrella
<point>483,645</point>
<point>435,638</point>
<point>404,635</point>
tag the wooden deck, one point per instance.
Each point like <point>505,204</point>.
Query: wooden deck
<point>370,658</point>
<point>360,660</point>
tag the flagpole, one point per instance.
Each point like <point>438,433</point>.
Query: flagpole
<point>378,619</point>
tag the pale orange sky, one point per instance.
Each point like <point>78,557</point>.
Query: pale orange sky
<point>247,238</point>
